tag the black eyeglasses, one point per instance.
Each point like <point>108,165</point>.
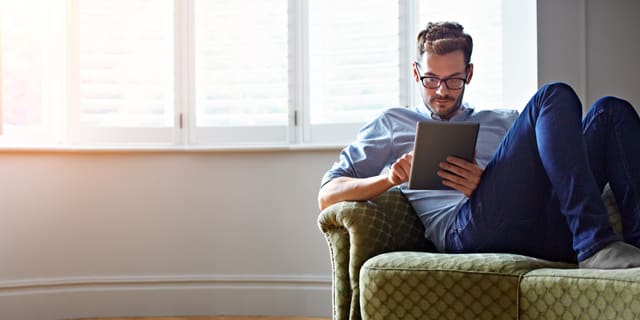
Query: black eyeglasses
<point>431,82</point>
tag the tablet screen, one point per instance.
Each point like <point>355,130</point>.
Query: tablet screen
<point>435,140</point>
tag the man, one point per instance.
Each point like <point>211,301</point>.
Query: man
<point>534,187</point>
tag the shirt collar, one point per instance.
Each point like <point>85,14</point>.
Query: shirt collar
<point>463,114</point>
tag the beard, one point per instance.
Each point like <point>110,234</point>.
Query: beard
<point>447,113</point>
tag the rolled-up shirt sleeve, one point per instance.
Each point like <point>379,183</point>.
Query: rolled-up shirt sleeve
<point>367,155</point>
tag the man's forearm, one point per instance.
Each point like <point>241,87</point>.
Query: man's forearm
<point>352,189</point>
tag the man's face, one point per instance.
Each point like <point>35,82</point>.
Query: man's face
<point>442,101</point>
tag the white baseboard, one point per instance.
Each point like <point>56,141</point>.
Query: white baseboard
<point>42,299</point>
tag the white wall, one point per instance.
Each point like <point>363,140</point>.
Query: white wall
<point>591,44</point>
<point>167,233</point>
<point>164,233</point>
<point>613,47</point>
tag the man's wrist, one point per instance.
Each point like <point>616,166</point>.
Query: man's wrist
<point>388,180</point>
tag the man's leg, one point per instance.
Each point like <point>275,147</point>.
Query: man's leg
<point>536,196</point>
<point>611,132</point>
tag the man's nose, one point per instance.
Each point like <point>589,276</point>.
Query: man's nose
<point>442,89</point>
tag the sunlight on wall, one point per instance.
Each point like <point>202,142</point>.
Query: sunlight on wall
<point>0,68</point>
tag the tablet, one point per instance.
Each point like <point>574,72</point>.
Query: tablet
<point>435,140</point>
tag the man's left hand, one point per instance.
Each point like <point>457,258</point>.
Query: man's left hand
<point>460,174</point>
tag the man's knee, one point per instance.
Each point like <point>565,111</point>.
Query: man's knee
<point>558,86</point>
<point>560,93</point>
<point>561,89</point>
<point>616,105</point>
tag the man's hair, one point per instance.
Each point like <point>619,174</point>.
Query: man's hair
<point>444,37</point>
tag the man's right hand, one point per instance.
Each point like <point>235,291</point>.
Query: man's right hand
<point>400,169</point>
<point>348,189</point>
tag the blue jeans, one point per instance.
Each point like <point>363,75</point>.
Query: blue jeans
<point>540,194</point>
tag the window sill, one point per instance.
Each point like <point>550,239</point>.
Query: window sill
<point>173,149</point>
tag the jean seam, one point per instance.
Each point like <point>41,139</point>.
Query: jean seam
<point>597,247</point>
<point>627,171</point>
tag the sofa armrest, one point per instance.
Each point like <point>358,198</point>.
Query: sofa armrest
<point>359,230</point>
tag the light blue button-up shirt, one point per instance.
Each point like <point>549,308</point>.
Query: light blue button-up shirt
<point>386,138</point>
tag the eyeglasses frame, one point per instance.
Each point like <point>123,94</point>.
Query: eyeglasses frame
<point>440,80</point>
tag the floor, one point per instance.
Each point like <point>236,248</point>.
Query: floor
<point>209,318</point>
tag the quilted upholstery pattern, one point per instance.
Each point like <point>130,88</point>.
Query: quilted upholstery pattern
<point>339,248</point>
<point>581,294</point>
<point>418,285</point>
<point>359,230</point>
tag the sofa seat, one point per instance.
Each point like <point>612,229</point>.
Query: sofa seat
<point>580,294</point>
<point>420,285</point>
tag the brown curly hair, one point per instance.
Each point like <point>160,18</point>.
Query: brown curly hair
<point>444,37</point>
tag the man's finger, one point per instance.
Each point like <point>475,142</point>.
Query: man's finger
<point>471,167</point>
<point>466,191</point>
<point>458,179</point>
<point>460,162</point>
<point>451,177</point>
<point>397,171</point>
<point>406,166</point>
<point>452,168</point>
<point>402,167</point>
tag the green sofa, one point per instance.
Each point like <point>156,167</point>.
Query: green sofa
<point>384,269</point>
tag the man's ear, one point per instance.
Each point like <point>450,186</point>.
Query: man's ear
<point>470,73</point>
<point>416,76</point>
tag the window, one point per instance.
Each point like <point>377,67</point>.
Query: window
<point>353,63</point>
<point>504,53</point>
<point>30,96</point>
<point>120,71</point>
<point>241,59</point>
<point>245,72</point>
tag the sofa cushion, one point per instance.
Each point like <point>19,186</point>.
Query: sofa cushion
<point>419,285</point>
<point>580,294</point>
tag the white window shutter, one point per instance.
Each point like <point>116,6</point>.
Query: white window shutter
<point>122,71</point>
<point>241,72</point>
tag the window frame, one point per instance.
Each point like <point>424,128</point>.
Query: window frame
<point>62,127</point>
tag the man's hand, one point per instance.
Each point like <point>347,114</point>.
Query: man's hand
<point>400,169</point>
<point>460,174</point>
<point>354,189</point>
